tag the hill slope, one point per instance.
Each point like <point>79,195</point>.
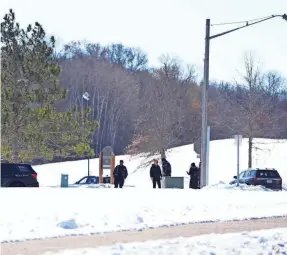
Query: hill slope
<point>222,166</point>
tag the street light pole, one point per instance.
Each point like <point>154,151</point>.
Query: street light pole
<point>204,91</point>
<point>204,99</point>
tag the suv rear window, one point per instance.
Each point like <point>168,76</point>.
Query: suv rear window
<point>8,169</point>
<point>267,174</point>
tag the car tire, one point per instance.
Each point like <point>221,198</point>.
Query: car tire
<point>16,184</point>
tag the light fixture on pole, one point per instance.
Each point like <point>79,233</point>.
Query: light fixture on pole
<point>204,90</point>
<point>86,96</point>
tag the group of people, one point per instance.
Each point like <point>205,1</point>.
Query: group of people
<point>121,173</point>
<point>156,174</point>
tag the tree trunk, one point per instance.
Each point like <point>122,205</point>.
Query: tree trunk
<point>250,143</point>
<point>162,153</point>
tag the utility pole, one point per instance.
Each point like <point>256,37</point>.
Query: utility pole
<point>204,100</point>
<point>204,90</point>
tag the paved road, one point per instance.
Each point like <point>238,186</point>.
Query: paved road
<point>38,247</point>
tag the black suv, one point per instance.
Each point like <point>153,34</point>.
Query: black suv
<point>18,175</point>
<point>269,178</point>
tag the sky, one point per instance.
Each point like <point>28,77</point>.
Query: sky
<point>174,27</point>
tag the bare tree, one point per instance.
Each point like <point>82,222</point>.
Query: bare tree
<point>162,113</point>
<point>113,90</point>
<point>251,107</point>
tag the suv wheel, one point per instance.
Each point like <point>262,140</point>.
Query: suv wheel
<point>16,184</point>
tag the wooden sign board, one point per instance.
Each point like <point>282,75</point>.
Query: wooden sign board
<point>106,161</point>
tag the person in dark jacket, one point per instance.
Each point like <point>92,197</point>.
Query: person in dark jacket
<point>155,174</point>
<point>120,174</point>
<point>166,167</point>
<point>194,173</point>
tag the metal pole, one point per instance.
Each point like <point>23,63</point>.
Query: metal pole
<point>204,98</point>
<point>237,143</point>
<point>88,165</point>
<point>88,153</point>
<point>207,155</point>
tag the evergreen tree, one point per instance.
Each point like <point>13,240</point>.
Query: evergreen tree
<point>30,125</point>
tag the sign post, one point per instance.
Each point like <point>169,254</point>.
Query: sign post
<point>113,165</point>
<point>238,141</point>
<point>101,168</point>
<point>106,161</point>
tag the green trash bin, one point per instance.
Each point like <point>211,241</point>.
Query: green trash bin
<point>64,181</point>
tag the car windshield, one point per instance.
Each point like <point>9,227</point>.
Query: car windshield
<point>83,181</point>
<point>267,174</point>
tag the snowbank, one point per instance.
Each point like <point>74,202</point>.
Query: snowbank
<point>96,186</point>
<point>272,241</point>
<point>225,186</point>
<point>52,212</point>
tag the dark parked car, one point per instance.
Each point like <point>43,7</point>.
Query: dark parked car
<point>88,180</point>
<point>92,180</point>
<point>18,175</point>
<point>269,178</point>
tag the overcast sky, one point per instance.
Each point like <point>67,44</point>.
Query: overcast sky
<point>175,27</point>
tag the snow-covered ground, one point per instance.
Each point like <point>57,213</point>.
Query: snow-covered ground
<point>268,153</point>
<point>261,242</point>
<point>52,212</point>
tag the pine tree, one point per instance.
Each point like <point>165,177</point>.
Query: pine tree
<point>30,124</point>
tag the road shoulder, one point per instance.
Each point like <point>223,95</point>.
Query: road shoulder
<point>37,247</point>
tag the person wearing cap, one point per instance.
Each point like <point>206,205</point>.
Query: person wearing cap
<point>120,174</point>
<point>166,167</point>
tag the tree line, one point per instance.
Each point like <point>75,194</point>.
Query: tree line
<point>133,108</point>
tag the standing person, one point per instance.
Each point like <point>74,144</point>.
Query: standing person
<point>166,167</point>
<point>194,176</point>
<point>155,174</point>
<point>120,174</point>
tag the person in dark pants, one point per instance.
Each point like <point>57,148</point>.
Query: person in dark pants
<point>166,167</point>
<point>155,174</point>
<point>194,176</point>
<point>120,174</point>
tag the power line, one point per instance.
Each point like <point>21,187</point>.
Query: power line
<point>241,22</point>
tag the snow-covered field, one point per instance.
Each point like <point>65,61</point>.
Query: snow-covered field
<point>268,153</point>
<point>247,243</point>
<point>52,212</point>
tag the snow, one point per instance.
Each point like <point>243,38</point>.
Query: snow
<point>54,212</point>
<point>261,242</point>
<point>243,187</point>
<point>267,154</point>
